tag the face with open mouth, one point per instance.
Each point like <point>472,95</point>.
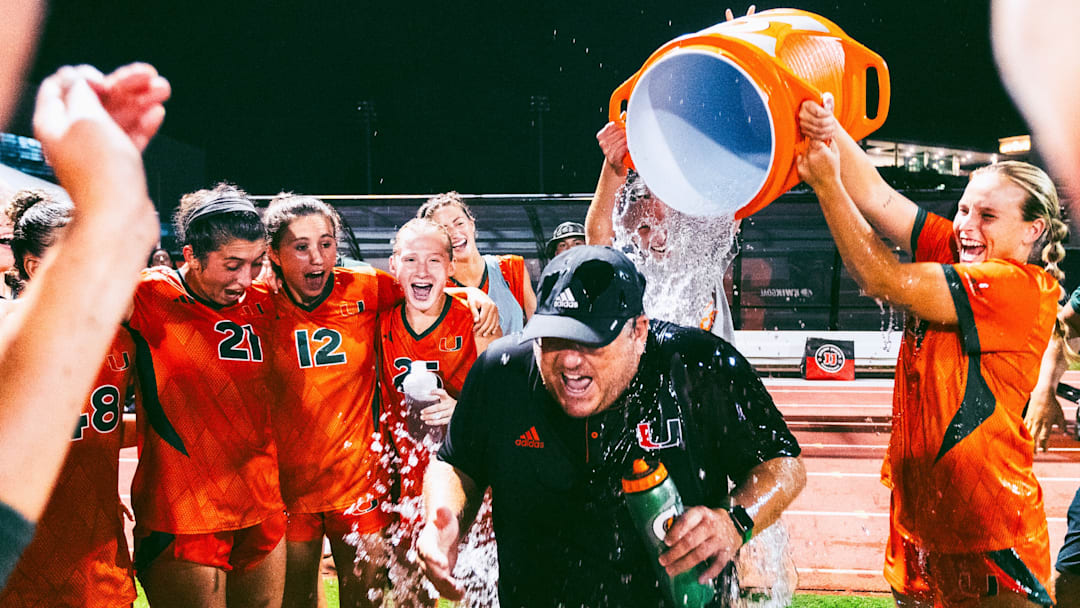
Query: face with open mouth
<point>306,255</point>
<point>226,273</point>
<point>461,227</point>
<point>422,266</point>
<point>647,219</point>
<point>989,221</point>
<point>585,380</point>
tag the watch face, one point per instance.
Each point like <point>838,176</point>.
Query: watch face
<point>744,524</point>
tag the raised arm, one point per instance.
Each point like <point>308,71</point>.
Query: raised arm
<point>450,502</point>
<point>920,288</point>
<point>93,130</point>
<point>702,533</point>
<point>890,213</point>
<point>599,229</point>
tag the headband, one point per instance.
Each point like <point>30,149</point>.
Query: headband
<point>225,204</point>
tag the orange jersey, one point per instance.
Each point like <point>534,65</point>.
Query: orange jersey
<point>513,270</point>
<point>207,460</point>
<point>325,359</point>
<point>449,349</point>
<point>960,458</point>
<point>79,556</point>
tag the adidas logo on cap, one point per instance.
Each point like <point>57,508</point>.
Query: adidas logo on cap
<point>529,439</point>
<point>565,299</point>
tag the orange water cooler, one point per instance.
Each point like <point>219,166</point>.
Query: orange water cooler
<point>711,117</point>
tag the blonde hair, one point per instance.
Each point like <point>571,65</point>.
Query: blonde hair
<point>421,225</point>
<point>1041,202</point>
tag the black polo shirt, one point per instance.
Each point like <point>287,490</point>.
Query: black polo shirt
<point>564,532</point>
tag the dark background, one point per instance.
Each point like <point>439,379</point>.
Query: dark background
<point>269,89</point>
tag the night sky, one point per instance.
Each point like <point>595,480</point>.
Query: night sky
<point>269,89</point>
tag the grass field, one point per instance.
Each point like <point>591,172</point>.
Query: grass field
<point>802,600</point>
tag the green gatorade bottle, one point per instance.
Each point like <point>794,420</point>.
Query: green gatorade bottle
<point>654,504</point>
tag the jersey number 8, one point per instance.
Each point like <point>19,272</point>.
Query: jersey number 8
<point>105,403</point>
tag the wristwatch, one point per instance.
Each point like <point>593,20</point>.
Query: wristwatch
<point>744,524</point>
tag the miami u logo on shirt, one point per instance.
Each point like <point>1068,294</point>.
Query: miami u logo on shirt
<point>118,364</point>
<point>450,345</point>
<point>351,308</point>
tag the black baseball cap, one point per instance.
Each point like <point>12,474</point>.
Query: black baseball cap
<point>564,230</point>
<point>586,295</point>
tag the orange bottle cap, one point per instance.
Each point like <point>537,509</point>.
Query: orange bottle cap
<point>644,477</point>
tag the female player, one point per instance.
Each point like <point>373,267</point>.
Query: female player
<point>324,344</point>
<point>325,422</point>
<point>89,566</point>
<point>504,278</point>
<point>208,509</point>
<point>433,330</point>
<point>967,519</point>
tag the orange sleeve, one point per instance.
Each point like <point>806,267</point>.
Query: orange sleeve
<point>932,238</point>
<point>512,268</point>
<point>141,302</point>
<point>997,302</point>
<point>390,293</point>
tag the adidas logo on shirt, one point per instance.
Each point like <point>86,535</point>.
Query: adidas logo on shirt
<point>530,439</point>
<point>566,299</point>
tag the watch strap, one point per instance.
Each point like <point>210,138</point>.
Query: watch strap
<point>744,524</point>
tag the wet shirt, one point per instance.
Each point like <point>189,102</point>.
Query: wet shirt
<point>564,531</point>
<point>207,457</point>
<point>324,358</point>
<point>79,556</point>
<point>960,458</point>
<point>448,350</point>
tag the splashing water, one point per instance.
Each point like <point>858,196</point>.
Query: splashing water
<point>890,322</point>
<point>684,259</point>
<point>394,549</point>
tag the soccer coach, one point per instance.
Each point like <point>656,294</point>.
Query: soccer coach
<point>552,419</point>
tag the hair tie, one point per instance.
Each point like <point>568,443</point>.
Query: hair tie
<point>217,206</point>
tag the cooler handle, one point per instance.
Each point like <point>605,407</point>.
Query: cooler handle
<point>616,113</point>
<point>858,60</point>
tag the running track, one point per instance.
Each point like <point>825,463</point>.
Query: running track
<point>839,523</point>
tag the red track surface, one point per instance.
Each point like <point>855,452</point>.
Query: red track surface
<point>839,523</point>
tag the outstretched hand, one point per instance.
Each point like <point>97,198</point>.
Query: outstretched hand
<point>93,128</point>
<point>133,95</point>
<point>437,547</point>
